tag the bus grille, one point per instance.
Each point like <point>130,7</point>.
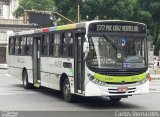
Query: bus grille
<point>119,83</point>
<point>119,73</point>
<point>114,91</point>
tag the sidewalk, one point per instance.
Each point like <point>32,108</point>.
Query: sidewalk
<point>3,66</point>
<point>154,86</point>
<point>155,76</point>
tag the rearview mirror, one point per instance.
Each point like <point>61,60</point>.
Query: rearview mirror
<point>86,47</point>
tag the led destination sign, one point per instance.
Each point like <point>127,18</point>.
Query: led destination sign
<point>110,27</point>
<point>117,28</point>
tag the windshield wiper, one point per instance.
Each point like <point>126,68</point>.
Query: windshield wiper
<point>114,45</point>
<point>111,42</point>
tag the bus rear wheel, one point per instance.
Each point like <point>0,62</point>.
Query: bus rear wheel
<point>68,97</point>
<point>115,99</point>
<point>26,84</point>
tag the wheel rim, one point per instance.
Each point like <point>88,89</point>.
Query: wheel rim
<point>66,92</point>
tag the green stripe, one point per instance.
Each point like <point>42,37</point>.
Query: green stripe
<point>118,79</point>
<point>65,27</point>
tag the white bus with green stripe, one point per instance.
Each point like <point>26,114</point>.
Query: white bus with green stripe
<point>95,58</point>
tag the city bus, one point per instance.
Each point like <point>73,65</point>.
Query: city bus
<point>95,58</point>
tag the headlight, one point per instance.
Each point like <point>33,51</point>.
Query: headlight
<point>96,81</point>
<point>145,80</point>
<point>139,82</point>
<point>142,81</point>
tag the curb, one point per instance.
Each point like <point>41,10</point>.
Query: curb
<point>155,79</point>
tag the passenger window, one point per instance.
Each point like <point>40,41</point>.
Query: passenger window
<point>67,44</point>
<point>17,46</point>
<point>70,45</point>
<point>64,45</point>
<point>23,46</point>
<point>29,46</point>
<point>57,46</point>
<point>12,46</point>
<point>51,44</point>
<point>45,43</point>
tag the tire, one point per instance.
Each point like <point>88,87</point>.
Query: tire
<point>67,96</point>
<point>115,99</point>
<point>26,84</point>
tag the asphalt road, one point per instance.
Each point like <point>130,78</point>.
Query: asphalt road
<point>14,97</point>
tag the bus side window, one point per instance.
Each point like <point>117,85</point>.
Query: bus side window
<point>45,42</point>
<point>20,47</point>
<point>64,45</point>
<point>28,49</point>
<point>12,46</point>
<point>9,46</point>
<point>57,46</point>
<point>67,45</point>
<point>70,45</point>
<point>51,44</point>
<point>23,46</point>
<point>17,46</point>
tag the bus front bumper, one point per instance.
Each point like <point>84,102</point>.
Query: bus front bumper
<point>92,89</point>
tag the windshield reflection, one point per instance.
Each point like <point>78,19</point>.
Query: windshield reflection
<point>116,52</point>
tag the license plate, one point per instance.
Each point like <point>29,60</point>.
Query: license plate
<point>122,89</point>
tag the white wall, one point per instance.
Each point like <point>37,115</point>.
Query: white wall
<point>5,11</point>
<point>8,8</point>
<point>13,5</point>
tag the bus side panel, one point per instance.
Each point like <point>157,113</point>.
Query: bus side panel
<point>53,68</point>
<point>26,62</point>
<point>68,69</point>
<point>16,65</point>
<point>10,64</point>
<point>30,76</point>
<point>43,71</point>
<point>44,79</point>
<point>53,81</point>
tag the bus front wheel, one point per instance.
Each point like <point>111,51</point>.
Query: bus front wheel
<point>115,99</point>
<point>68,97</point>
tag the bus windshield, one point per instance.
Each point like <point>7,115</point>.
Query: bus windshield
<point>116,52</point>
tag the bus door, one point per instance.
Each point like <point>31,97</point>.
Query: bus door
<point>36,61</point>
<point>79,63</point>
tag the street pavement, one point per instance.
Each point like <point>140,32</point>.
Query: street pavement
<point>155,80</point>
<point>154,85</point>
<point>14,97</point>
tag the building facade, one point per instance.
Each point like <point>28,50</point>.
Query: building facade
<point>7,8</point>
<point>8,24</point>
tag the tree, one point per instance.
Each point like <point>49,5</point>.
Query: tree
<point>90,9</point>
<point>153,7</point>
<point>44,5</point>
<point>67,8</point>
<point>122,9</point>
<point>103,9</point>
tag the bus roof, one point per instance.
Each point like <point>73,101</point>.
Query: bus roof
<point>69,26</point>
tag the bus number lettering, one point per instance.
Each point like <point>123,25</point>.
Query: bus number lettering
<point>100,27</point>
<point>109,28</point>
<point>108,78</point>
<point>117,28</point>
<point>58,64</point>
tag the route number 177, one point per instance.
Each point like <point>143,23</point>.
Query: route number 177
<point>100,27</point>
